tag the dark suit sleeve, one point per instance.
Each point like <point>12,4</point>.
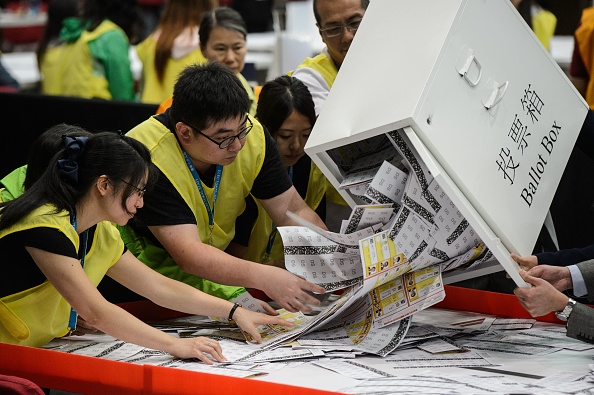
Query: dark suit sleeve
<point>585,140</point>
<point>581,323</point>
<point>587,270</point>
<point>567,257</point>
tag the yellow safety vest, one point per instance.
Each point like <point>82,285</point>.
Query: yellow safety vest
<point>259,237</point>
<point>153,90</point>
<point>68,69</point>
<point>325,66</point>
<point>251,95</point>
<point>583,35</point>
<point>35,316</point>
<point>236,183</point>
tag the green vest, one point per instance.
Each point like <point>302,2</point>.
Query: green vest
<point>35,316</point>
<point>13,184</point>
<point>236,183</point>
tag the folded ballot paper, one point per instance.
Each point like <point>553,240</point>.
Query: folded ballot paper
<point>388,258</point>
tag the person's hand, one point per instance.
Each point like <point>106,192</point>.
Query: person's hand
<point>541,298</point>
<point>198,347</point>
<point>558,276</point>
<point>82,328</point>
<point>288,290</point>
<point>525,262</point>
<point>249,321</point>
<point>266,307</point>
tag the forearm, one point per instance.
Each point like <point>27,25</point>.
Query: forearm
<point>305,212</point>
<point>217,266</point>
<point>178,296</point>
<point>120,324</point>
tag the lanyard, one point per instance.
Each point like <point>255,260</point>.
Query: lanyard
<point>217,182</point>
<point>274,230</point>
<point>73,314</point>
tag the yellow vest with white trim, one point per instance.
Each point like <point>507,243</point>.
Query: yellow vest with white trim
<point>236,183</point>
<point>68,69</point>
<point>323,65</point>
<point>35,316</point>
<point>251,95</point>
<point>256,251</point>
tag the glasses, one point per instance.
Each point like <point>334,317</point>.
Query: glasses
<point>140,191</point>
<point>336,31</point>
<point>227,141</point>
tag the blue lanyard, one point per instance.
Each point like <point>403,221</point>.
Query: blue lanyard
<point>217,182</point>
<point>272,236</point>
<point>73,314</point>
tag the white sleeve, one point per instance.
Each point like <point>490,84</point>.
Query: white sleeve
<point>317,85</point>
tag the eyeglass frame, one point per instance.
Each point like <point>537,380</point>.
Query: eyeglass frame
<point>141,191</point>
<point>341,27</point>
<point>231,139</point>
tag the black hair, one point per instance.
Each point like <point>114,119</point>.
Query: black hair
<point>364,5</point>
<point>123,13</point>
<point>224,17</point>
<point>207,94</point>
<point>122,159</point>
<point>279,98</point>
<point>57,11</point>
<point>45,147</point>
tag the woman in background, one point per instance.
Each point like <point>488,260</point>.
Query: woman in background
<point>92,60</point>
<point>171,47</point>
<point>223,34</point>
<point>286,110</point>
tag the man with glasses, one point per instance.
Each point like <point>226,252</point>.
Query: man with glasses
<point>337,22</point>
<point>211,154</point>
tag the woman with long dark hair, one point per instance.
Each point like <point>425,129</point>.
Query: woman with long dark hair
<point>171,47</point>
<point>58,240</point>
<point>286,109</point>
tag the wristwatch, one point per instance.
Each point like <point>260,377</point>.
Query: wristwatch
<point>563,315</point>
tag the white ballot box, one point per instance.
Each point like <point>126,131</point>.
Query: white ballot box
<point>488,112</point>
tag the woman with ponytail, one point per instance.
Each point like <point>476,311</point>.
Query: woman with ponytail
<point>58,240</point>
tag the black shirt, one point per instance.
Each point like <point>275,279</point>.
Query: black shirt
<point>245,222</point>
<point>163,205</point>
<point>20,270</point>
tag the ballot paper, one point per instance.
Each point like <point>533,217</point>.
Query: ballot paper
<point>390,254</point>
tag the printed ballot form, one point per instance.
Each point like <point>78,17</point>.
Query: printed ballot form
<point>461,121</point>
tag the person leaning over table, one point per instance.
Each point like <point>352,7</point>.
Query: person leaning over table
<point>211,155</point>
<point>60,239</point>
<point>41,152</point>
